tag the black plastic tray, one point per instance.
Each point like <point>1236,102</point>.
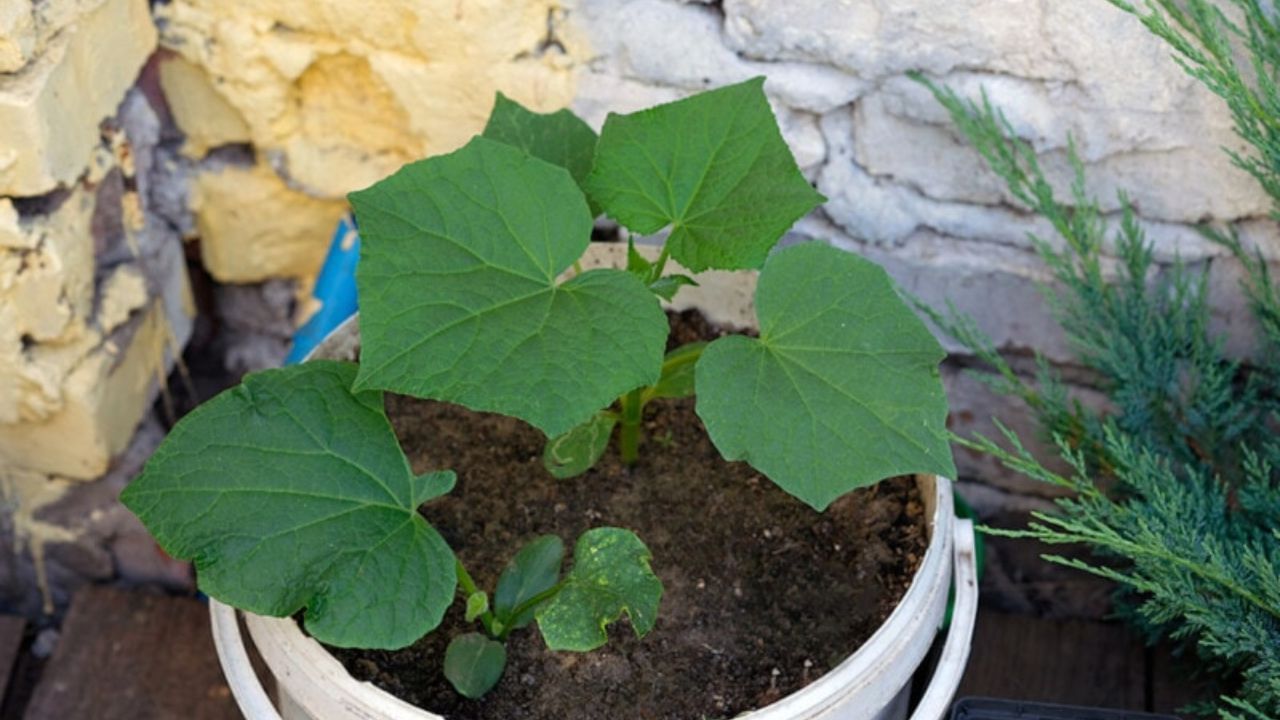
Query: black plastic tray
<point>992,709</point>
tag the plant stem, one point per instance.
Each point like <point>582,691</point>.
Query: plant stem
<point>675,360</point>
<point>660,264</point>
<point>524,607</point>
<point>469,588</point>
<point>629,430</point>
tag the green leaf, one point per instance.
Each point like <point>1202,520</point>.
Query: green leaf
<point>291,491</point>
<point>712,166</point>
<point>533,571</point>
<point>841,389</point>
<point>459,299</point>
<point>679,372</point>
<point>651,273</point>
<point>433,485</point>
<point>667,287</point>
<point>473,664</point>
<point>560,138</point>
<point>638,264</point>
<point>477,605</point>
<point>610,576</point>
<point>576,451</point>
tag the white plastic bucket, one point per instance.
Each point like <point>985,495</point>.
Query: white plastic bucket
<point>871,684</point>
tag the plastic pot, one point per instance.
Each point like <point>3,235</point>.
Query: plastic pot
<point>871,684</point>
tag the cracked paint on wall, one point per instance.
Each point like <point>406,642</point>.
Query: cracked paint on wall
<point>338,95</point>
<point>22,496</point>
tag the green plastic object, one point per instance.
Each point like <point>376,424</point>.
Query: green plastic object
<point>965,511</point>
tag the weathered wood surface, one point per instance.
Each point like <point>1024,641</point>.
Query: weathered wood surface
<point>10,645</point>
<point>1073,662</point>
<point>1175,682</point>
<point>11,630</point>
<point>135,656</point>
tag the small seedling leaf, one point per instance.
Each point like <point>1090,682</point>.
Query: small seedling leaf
<point>713,166</point>
<point>560,138</point>
<point>638,264</point>
<point>473,664</point>
<point>459,299</point>
<point>477,605</point>
<point>533,571</point>
<point>576,451</point>
<point>679,372</point>
<point>291,491</point>
<point>667,287</point>
<point>610,576</point>
<point>842,387</point>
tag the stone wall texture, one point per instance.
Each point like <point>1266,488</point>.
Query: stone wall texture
<point>137,140</point>
<point>95,304</point>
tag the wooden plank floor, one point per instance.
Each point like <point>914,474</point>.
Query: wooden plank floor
<point>1073,662</point>
<point>142,656</point>
<point>11,635</point>
<point>133,656</point>
<point>14,689</point>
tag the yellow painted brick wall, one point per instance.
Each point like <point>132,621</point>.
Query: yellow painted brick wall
<point>79,360</point>
<point>333,96</point>
<point>50,106</point>
<point>94,297</point>
<point>328,95</point>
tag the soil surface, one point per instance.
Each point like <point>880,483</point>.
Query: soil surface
<point>762,594</point>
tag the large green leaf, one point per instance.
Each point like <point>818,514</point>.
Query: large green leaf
<point>842,388</point>
<point>712,166</point>
<point>561,138</point>
<point>459,299</point>
<point>290,491</point>
<point>610,576</point>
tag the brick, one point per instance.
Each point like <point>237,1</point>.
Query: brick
<point>50,283</point>
<point>11,233</point>
<point>88,67</point>
<point>26,27</point>
<point>100,403</point>
<point>199,108</point>
<point>253,226</point>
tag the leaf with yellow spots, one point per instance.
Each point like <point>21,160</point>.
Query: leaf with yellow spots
<point>610,576</point>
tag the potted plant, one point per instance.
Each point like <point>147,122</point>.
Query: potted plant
<point>478,290</point>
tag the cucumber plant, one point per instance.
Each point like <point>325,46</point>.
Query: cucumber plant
<point>610,573</point>
<point>290,491</point>
<point>471,293</point>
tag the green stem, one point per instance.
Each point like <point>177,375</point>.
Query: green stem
<point>469,588</point>
<point>532,602</point>
<point>675,360</point>
<point>629,429</point>
<point>660,264</point>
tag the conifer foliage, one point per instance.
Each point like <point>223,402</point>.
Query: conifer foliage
<point>1176,486</point>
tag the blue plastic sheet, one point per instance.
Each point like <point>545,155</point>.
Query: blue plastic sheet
<point>335,290</point>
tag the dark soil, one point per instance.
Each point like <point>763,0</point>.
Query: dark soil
<point>762,594</point>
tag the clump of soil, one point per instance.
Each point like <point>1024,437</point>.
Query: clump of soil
<point>762,594</point>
